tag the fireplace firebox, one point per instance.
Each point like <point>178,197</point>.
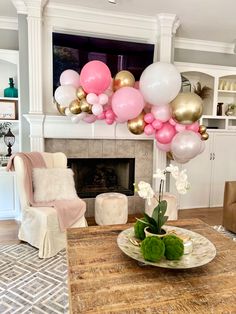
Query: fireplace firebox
<point>99,175</point>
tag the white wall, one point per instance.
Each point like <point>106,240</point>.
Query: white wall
<point>9,39</point>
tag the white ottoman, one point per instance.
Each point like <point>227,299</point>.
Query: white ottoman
<point>172,210</point>
<point>111,209</point>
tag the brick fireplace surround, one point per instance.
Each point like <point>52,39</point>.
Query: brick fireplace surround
<point>141,150</point>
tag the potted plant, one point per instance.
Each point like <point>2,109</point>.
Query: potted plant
<point>153,225</point>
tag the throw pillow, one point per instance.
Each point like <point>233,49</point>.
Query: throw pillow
<point>53,184</point>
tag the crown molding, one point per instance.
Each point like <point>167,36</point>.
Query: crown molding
<point>8,22</point>
<point>203,45</point>
<point>20,6</point>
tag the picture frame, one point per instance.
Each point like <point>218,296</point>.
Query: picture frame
<point>8,109</point>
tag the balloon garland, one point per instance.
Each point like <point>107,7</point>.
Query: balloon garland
<point>152,106</point>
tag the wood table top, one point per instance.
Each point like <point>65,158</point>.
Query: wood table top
<point>102,279</point>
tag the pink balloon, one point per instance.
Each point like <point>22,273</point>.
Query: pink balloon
<point>149,129</point>
<point>101,116</point>
<point>136,85</point>
<point>193,127</point>
<point>149,118</point>
<point>163,147</point>
<point>92,98</point>
<point>186,145</point>
<point>157,124</point>
<point>120,120</point>
<point>103,99</point>
<point>70,77</point>
<point>95,77</point>
<point>109,114</point>
<point>90,118</point>
<point>109,121</point>
<point>127,103</point>
<point>166,133</point>
<point>180,127</point>
<point>161,112</point>
<point>172,121</point>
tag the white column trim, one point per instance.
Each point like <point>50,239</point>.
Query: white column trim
<point>36,122</point>
<point>8,22</point>
<point>20,6</point>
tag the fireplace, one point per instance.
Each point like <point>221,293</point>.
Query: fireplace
<point>100,175</point>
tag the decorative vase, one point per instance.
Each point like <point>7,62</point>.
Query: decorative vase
<point>219,109</point>
<point>230,110</point>
<point>148,233</point>
<point>11,91</point>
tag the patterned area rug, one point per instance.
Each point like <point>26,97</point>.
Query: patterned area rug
<point>32,285</point>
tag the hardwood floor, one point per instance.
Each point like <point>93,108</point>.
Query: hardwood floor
<point>212,216</point>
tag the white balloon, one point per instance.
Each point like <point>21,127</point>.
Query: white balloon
<point>186,145</point>
<point>82,115</point>
<point>180,160</point>
<point>65,94</point>
<point>161,112</point>
<point>97,109</point>
<point>160,83</point>
<point>75,118</point>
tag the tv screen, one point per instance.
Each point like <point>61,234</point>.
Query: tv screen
<point>73,52</point>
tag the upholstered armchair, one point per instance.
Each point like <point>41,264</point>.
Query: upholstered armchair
<point>229,207</point>
<point>39,225</point>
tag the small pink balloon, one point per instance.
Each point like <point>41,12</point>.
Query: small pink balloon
<point>166,133</point>
<point>97,109</point>
<point>193,127</point>
<point>149,129</point>
<point>136,85</point>
<point>157,124</point>
<point>163,147</point>
<point>172,121</point>
<point>95,77</point>
<point>90,118</point>
<point>109,114</point>
<point>103,99</point>
<point>101,116</point>
<point>70,77</point>
<point>149,118</point>
<point>109,121</point>
<point>161,112</point>
<point>127,103</point>
<point>92,98</point>
<point>180,127</point>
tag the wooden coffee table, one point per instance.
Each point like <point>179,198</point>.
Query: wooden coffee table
<point>102,279</point>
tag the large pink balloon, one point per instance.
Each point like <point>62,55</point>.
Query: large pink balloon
<point>186,145</point>
<point>166,133</point>
<point>127,103</point>
<point>70,77</point>
<point>163,147</point>
<point>95,77</point>
<point>161,112</point>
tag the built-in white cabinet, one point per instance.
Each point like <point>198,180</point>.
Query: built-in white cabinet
<point>9,202</point>
<point>208,172</point>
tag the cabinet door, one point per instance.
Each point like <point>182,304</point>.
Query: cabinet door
<point>199,177</point>
<point>7,196</point>
<point>223,165</point>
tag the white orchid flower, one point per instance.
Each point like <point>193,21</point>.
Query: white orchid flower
<point>160,174</point>
<point>174,170</point>
<point>145,191</point>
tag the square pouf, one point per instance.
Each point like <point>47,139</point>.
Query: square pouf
<point>111,209</point>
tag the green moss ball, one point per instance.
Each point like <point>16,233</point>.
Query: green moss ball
<point>139,229</point>
<point>174,247</point>
<point>153,249</point>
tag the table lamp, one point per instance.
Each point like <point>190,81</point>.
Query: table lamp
<point>9,140</point>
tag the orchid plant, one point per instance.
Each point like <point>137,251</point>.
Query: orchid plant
<point>145,191</point>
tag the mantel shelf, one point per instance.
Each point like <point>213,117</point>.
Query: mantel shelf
<point>227,91</point>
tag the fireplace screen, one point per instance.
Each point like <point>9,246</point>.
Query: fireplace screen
<point>99,175</point>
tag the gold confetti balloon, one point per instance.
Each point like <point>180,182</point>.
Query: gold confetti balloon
<point>80,93</point>
<point>61,109</point>
<point>74,107</point>
<point>85,106</point>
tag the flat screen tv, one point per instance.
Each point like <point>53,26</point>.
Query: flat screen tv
<point>73,52</point>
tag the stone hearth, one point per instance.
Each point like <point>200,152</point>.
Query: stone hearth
<point>141,150</point>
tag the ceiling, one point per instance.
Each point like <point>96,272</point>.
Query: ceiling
<point>212,20</point>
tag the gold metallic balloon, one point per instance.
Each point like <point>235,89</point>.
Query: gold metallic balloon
<point>137,125</point>
<point>204,136</point>
<point>60,108</point>
<point>170,155</point>
<point>202,129</point>
<point>85,106</point>
<point>186,108</point>
<point>122,79</point>
<point>80,93</point>
<point>74,107</point>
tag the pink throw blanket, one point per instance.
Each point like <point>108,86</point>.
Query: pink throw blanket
<point>68,211</point>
